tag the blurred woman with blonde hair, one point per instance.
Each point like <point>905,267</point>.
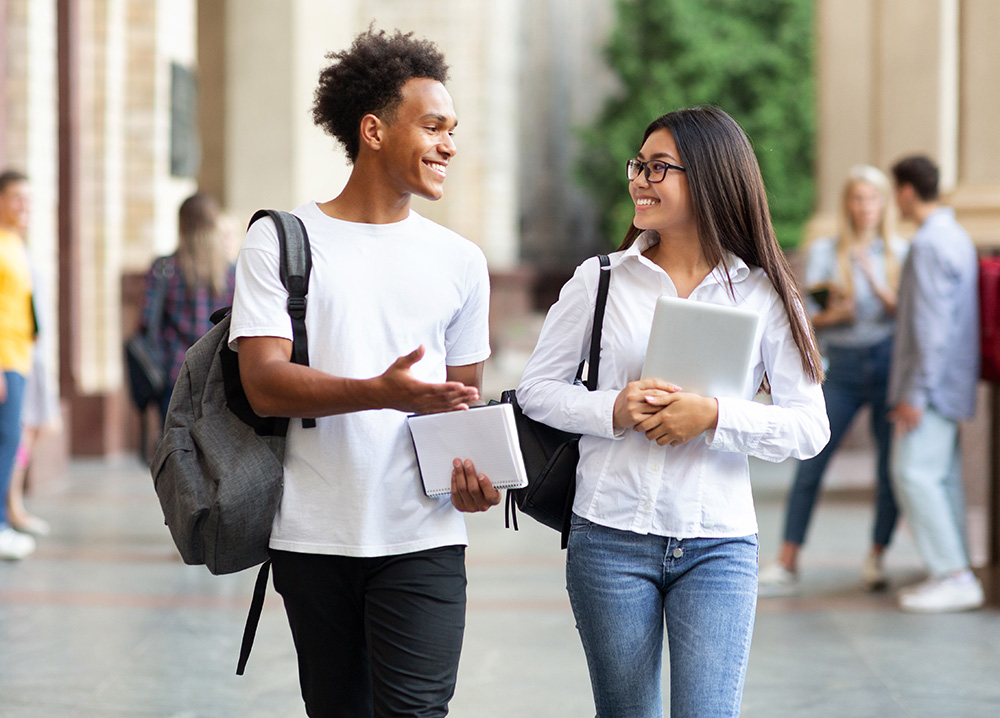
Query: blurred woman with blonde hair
<point>186,287</point>
<point>852,281</point>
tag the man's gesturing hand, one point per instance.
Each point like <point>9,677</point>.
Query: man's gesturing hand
<point>397,388</point>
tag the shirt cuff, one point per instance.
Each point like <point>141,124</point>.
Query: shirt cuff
<point>738,429</point>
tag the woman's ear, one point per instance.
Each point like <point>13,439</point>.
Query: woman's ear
<point>372,131</point>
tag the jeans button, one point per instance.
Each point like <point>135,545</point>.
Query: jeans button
<point>678,552</point>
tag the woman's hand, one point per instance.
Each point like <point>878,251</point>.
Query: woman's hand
<point>839,310</point>
<point>884,294</point>
<point>679,417</point>
<point>631,405</point>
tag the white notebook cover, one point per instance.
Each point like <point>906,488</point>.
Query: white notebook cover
<point>485,434</point>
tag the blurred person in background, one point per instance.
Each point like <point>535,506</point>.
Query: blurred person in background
<point>198,279</point>
<point>39,414</point>
<point>935,370</point>
<point>17,339</point>
<point>851,281</point>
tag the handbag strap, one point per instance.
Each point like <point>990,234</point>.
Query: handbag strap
<point>594,362</point>
<point>593,367</point>
<point>161,277</point>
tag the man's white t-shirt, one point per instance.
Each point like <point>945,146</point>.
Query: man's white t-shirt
<point>376,293</point>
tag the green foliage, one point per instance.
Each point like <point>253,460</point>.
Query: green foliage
<point>752,58</point>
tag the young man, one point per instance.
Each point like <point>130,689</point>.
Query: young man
<point>372,571</point>
<point>932,386</point>
<point>17,339</point>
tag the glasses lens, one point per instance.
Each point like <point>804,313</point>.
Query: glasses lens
<point>656,171</point>
<point>632,169</point>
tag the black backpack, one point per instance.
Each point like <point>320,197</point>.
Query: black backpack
<point>218,469</point>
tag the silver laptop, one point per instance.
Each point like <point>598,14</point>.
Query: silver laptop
<point>703,348</point>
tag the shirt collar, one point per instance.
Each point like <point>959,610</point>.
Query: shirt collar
<point>940,213</point>
<point>731,266</point>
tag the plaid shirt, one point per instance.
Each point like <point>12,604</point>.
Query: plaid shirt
<point>186,311</point>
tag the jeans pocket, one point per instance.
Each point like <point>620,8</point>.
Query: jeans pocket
<point>579,529</point>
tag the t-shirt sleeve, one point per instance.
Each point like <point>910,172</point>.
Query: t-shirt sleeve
<point>467,338</point>
<point>260,298</point>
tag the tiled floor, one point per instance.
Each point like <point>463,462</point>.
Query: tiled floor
<point>105,621</point>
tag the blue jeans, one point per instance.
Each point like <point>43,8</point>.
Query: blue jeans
<point>623,586</point>
<point>857,377</point>
<point>927,469</point>
<point>10,434</point>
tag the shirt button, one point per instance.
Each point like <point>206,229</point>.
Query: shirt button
<point>654,467</point>
<point>678,552</point>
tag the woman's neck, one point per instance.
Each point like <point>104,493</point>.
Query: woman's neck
<point>865,236</point>
<point>682,258</point>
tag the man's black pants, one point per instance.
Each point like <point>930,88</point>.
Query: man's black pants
<point>375,636</point>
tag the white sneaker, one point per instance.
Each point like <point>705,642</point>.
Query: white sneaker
<point>916,587</point>
<point>14,545</point>
<point>962,592</point>
<point>32,525</point>
<point>873,575</point>
<point>776,580</point>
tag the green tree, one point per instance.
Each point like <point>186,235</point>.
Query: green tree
<point>752,58</point>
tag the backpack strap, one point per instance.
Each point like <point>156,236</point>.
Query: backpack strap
<point>294,268</point>
<point>253,618</point>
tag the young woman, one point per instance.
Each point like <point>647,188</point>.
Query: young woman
<point>664,528</point>
<point>858,271</point>
<point>200,278</point>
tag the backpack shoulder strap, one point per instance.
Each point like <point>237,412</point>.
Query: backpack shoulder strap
<point>294,268</point>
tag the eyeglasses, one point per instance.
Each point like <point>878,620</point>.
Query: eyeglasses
<point>655,170</point>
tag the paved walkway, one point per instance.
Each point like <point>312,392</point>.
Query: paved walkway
<point>105,621</point>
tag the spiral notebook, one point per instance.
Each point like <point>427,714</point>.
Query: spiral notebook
<point>485,434</point>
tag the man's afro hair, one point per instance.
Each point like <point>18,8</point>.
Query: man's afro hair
<point>369,78</point>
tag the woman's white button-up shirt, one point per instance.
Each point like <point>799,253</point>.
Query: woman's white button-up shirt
<point>700,488</point>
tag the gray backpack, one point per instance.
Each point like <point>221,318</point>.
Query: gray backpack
<point>218,469</point>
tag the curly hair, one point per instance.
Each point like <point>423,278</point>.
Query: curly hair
<point>369,78</point>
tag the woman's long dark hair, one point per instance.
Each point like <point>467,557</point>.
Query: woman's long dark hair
<point>730,209</point>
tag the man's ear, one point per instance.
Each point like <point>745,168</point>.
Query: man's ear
<point>372,130</point>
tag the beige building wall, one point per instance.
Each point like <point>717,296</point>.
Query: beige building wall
<point>977,192</point>
<point>897,77</point>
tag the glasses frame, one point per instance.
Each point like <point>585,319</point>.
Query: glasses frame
<point>637,166</point>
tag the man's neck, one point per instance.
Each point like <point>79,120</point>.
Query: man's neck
<point>923,210</point>
<point>10,229</point>
<point>367,200</point>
